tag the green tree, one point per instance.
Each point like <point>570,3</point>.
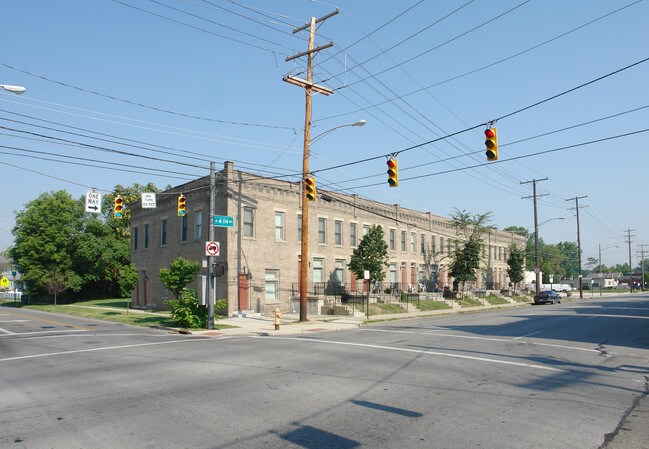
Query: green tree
<point>515,264</point>
<point>570,260</point>
<point>180,273</point>
<point>465,261</point>
<point>371,254</point>
<point>46,235</point>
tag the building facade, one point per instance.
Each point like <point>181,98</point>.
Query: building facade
<point>260,254</point>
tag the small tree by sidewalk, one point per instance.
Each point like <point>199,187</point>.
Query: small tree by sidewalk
<point>515,265</point>
<point>372,255</point>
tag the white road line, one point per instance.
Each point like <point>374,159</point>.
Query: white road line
<point>528,335</point>
<point>6,332</point>
<point>503,340</point>
<point>107,348</point>
<point>15,321</point>
<point>420,351</point>
<point>43,332</point>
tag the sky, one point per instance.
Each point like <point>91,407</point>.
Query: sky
<point>136,91</point>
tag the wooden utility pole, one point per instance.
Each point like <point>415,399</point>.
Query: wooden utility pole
<point>576,200</point>
<point>309,88</point>
<point>641,253</point>
<point>537,264</point>
<point>628,241</point>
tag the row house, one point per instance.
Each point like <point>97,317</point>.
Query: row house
<point>260,253</point>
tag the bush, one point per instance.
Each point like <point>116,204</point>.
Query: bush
<point>186,311</point>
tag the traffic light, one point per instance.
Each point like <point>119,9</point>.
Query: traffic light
<point>181,205</point>
<point>491,143</point>
<point>393,172</point>
<point>309,187</point>
<point>118,207</point>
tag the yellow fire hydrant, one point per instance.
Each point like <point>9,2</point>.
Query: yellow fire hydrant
<point>278,315</point>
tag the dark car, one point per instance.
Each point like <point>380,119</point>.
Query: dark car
<point>547,296</point>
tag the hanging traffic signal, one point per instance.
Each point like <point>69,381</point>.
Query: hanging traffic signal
<point>309,187</point>
<point>393,172</point>
<point>182,203</point>
<point>491,143</point>
<point>118,207</point>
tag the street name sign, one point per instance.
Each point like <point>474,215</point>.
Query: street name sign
<point>223,221</point>
<point>148,200</point>
<point>93,202</point>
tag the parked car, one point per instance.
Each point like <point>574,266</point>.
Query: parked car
<point>547,296</point>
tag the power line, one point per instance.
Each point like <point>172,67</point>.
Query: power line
<point>142,105</point>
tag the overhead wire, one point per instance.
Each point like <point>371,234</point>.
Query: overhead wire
<point>494,63</point>
<point>142,105</point>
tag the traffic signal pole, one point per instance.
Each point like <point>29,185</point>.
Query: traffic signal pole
<point>210,259</point>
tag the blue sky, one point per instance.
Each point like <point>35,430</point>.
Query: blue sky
<point>193,81</point>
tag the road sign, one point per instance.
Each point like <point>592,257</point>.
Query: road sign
<point>212,248</point>
<point>4,282</point>
<point>93,202</point>
<point>223,221</point>
<point>148,200</point>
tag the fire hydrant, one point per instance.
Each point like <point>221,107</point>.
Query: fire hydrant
<point>278,315</point>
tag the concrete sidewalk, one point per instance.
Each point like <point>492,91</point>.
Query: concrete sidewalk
<point>290,323</point>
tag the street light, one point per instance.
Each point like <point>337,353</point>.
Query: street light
<point>551,219</point>
<point>324,133</point>
<point>600,264</point>
<point>15,89</point>
<point>304,249</point>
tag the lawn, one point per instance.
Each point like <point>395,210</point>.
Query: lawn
<point>430,304</point>
<point>114,310</point>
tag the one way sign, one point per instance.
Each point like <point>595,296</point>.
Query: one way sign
<point>93,202</point>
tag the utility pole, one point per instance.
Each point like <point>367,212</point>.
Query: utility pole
<point>576,200</point>
<point>642,253</point>
<point>628,241</point>
<point>210,259</point>
<point>537,265</point>
<point>309,88</point>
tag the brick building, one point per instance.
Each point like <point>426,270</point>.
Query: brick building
<point>261,252</point>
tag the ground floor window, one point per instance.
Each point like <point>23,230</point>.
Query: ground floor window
<point>272,285</point>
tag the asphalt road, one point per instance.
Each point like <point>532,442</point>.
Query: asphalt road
<point>552,376</point>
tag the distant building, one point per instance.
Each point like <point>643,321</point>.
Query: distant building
<point>261,252</point>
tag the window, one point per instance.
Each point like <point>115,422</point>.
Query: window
<point>393,273</point>
<point>134,238</point>
<point>299,227</point>
<point>146,235</point>
<point>183,228</point>
<point>271,279</point>
<point>163,232</point>
<point>393,239</point>
<point>403,241</point>
<point>338,233</point>
<point>322,231</point>
<point>352,235</point>
<point>441,245</point>
<point>433,242</point>
<point>448,246</point>
<point>413,243</point>
<point>366,229</point>
<point>279,226</point>
<point>318,270</point>
<point>198,224</point>
<point>422,243</point>
<point>339,271</point>
<point>248,222</point>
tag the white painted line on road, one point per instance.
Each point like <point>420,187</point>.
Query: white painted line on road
<point>15,321</point>
<point>420,351</point>
<point>44,332</point>
<point>591,317</point>
<point>503,340</point>
<point>107,348</point>
<point>528,335</point>
<point>6,332</point>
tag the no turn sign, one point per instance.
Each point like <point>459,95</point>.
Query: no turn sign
<point>212,248</point>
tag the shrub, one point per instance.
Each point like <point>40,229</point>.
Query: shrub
<point>186,311</point>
